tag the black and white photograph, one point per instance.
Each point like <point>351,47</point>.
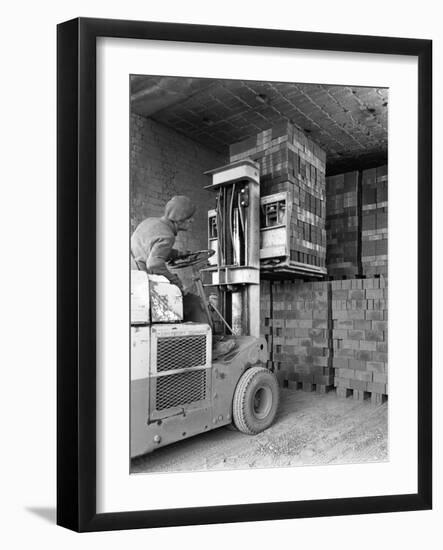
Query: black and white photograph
<point>224,328</point>
<point>259,274</point>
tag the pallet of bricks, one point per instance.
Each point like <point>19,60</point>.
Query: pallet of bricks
<point>342,225</point>
<point>360,335</point>
<point>375,222</point>
<point>265,320</point>
<point>289,161</point>
<point>295,323</point>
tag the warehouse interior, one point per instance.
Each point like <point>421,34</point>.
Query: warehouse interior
<point>325,145</point>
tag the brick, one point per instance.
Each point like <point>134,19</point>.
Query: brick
<point>340,334</point>
<point>379,325</point>
<point>350,353</point>
<point>363,355</point>
<point>362,325</point>
<point>327,380</point>
<point>303,315</point>
<point>346,324</point>
<point>374,294</point>
<point>368,283</point>
<point>377,388</point>
<point>312,351</point>
<point>364,376</point>
<point>382,346</point>
<point>374,335</point>
<point>350,344</point>
<point>374,315</point>
<point>359,385</point>
<point>357,295</point>
<point>346,284</point>
<point>347,373</point>
<point>368,346</point>
<point>355,314</point>
<point>340,294</point>
<point>380,378</point>
<point>319,343</point>
<point>320,361</point>
<point>317,334</point>
<point>376,366</point>
<point>319,323</point>
<point>357,364</point>
<point>318,371</point>
<point>341,382</point>
<point>340,315</point>
<point>340,362</point>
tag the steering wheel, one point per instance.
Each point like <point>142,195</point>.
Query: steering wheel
<point>193,258</point>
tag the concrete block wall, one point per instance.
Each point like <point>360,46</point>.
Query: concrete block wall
<point>375,221</point>
<point>342,225</point>
<point>360,338</point>
<point>357,223</point>
<point>325,335</point>
<point>295,322</point>
<point>163,164</point>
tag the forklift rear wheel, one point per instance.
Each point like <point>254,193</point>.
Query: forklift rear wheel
<point>256,399</point>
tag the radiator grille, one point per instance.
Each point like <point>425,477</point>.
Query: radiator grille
<point>180,389</point>
<point>181,352</point>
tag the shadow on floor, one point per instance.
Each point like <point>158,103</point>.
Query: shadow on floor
<point>48,514</point>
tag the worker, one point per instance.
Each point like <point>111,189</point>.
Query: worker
<point>152,244</point>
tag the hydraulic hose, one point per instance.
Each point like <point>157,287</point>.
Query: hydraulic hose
<point>231,205</point>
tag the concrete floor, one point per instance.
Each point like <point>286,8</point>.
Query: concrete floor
<point>310,428</point>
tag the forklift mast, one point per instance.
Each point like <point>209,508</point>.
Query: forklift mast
<point>234,233</point>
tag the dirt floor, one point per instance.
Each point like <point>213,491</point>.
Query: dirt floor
<point>311,428</point>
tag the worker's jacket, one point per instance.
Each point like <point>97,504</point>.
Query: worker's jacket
<point>152,245</point>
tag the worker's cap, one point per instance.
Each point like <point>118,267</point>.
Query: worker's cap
<point>179,208</point>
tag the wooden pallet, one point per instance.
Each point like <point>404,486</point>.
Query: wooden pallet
<point>373,397</point>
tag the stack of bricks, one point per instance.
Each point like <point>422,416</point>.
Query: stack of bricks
<point>375,222</point>
<point>289,161</point>
<point>265,319</point>
<point>296,326</point>
<point>359,333</point>
<point>342,225</point>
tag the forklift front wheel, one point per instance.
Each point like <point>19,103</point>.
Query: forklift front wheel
<point>256,399</point>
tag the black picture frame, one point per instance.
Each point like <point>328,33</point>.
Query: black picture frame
<point>76,279</point>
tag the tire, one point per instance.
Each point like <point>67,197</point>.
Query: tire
<point>256,400</point>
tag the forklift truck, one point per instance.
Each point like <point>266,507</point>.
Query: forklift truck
<point>179,387</point>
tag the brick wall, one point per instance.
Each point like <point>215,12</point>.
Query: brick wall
<point>328,334</point>
<point>360,333</point>
<point>375,221</point>
<point>357,223</point>
<point>163,164</point>
<point>342,225</point>
<point>295,318</point>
